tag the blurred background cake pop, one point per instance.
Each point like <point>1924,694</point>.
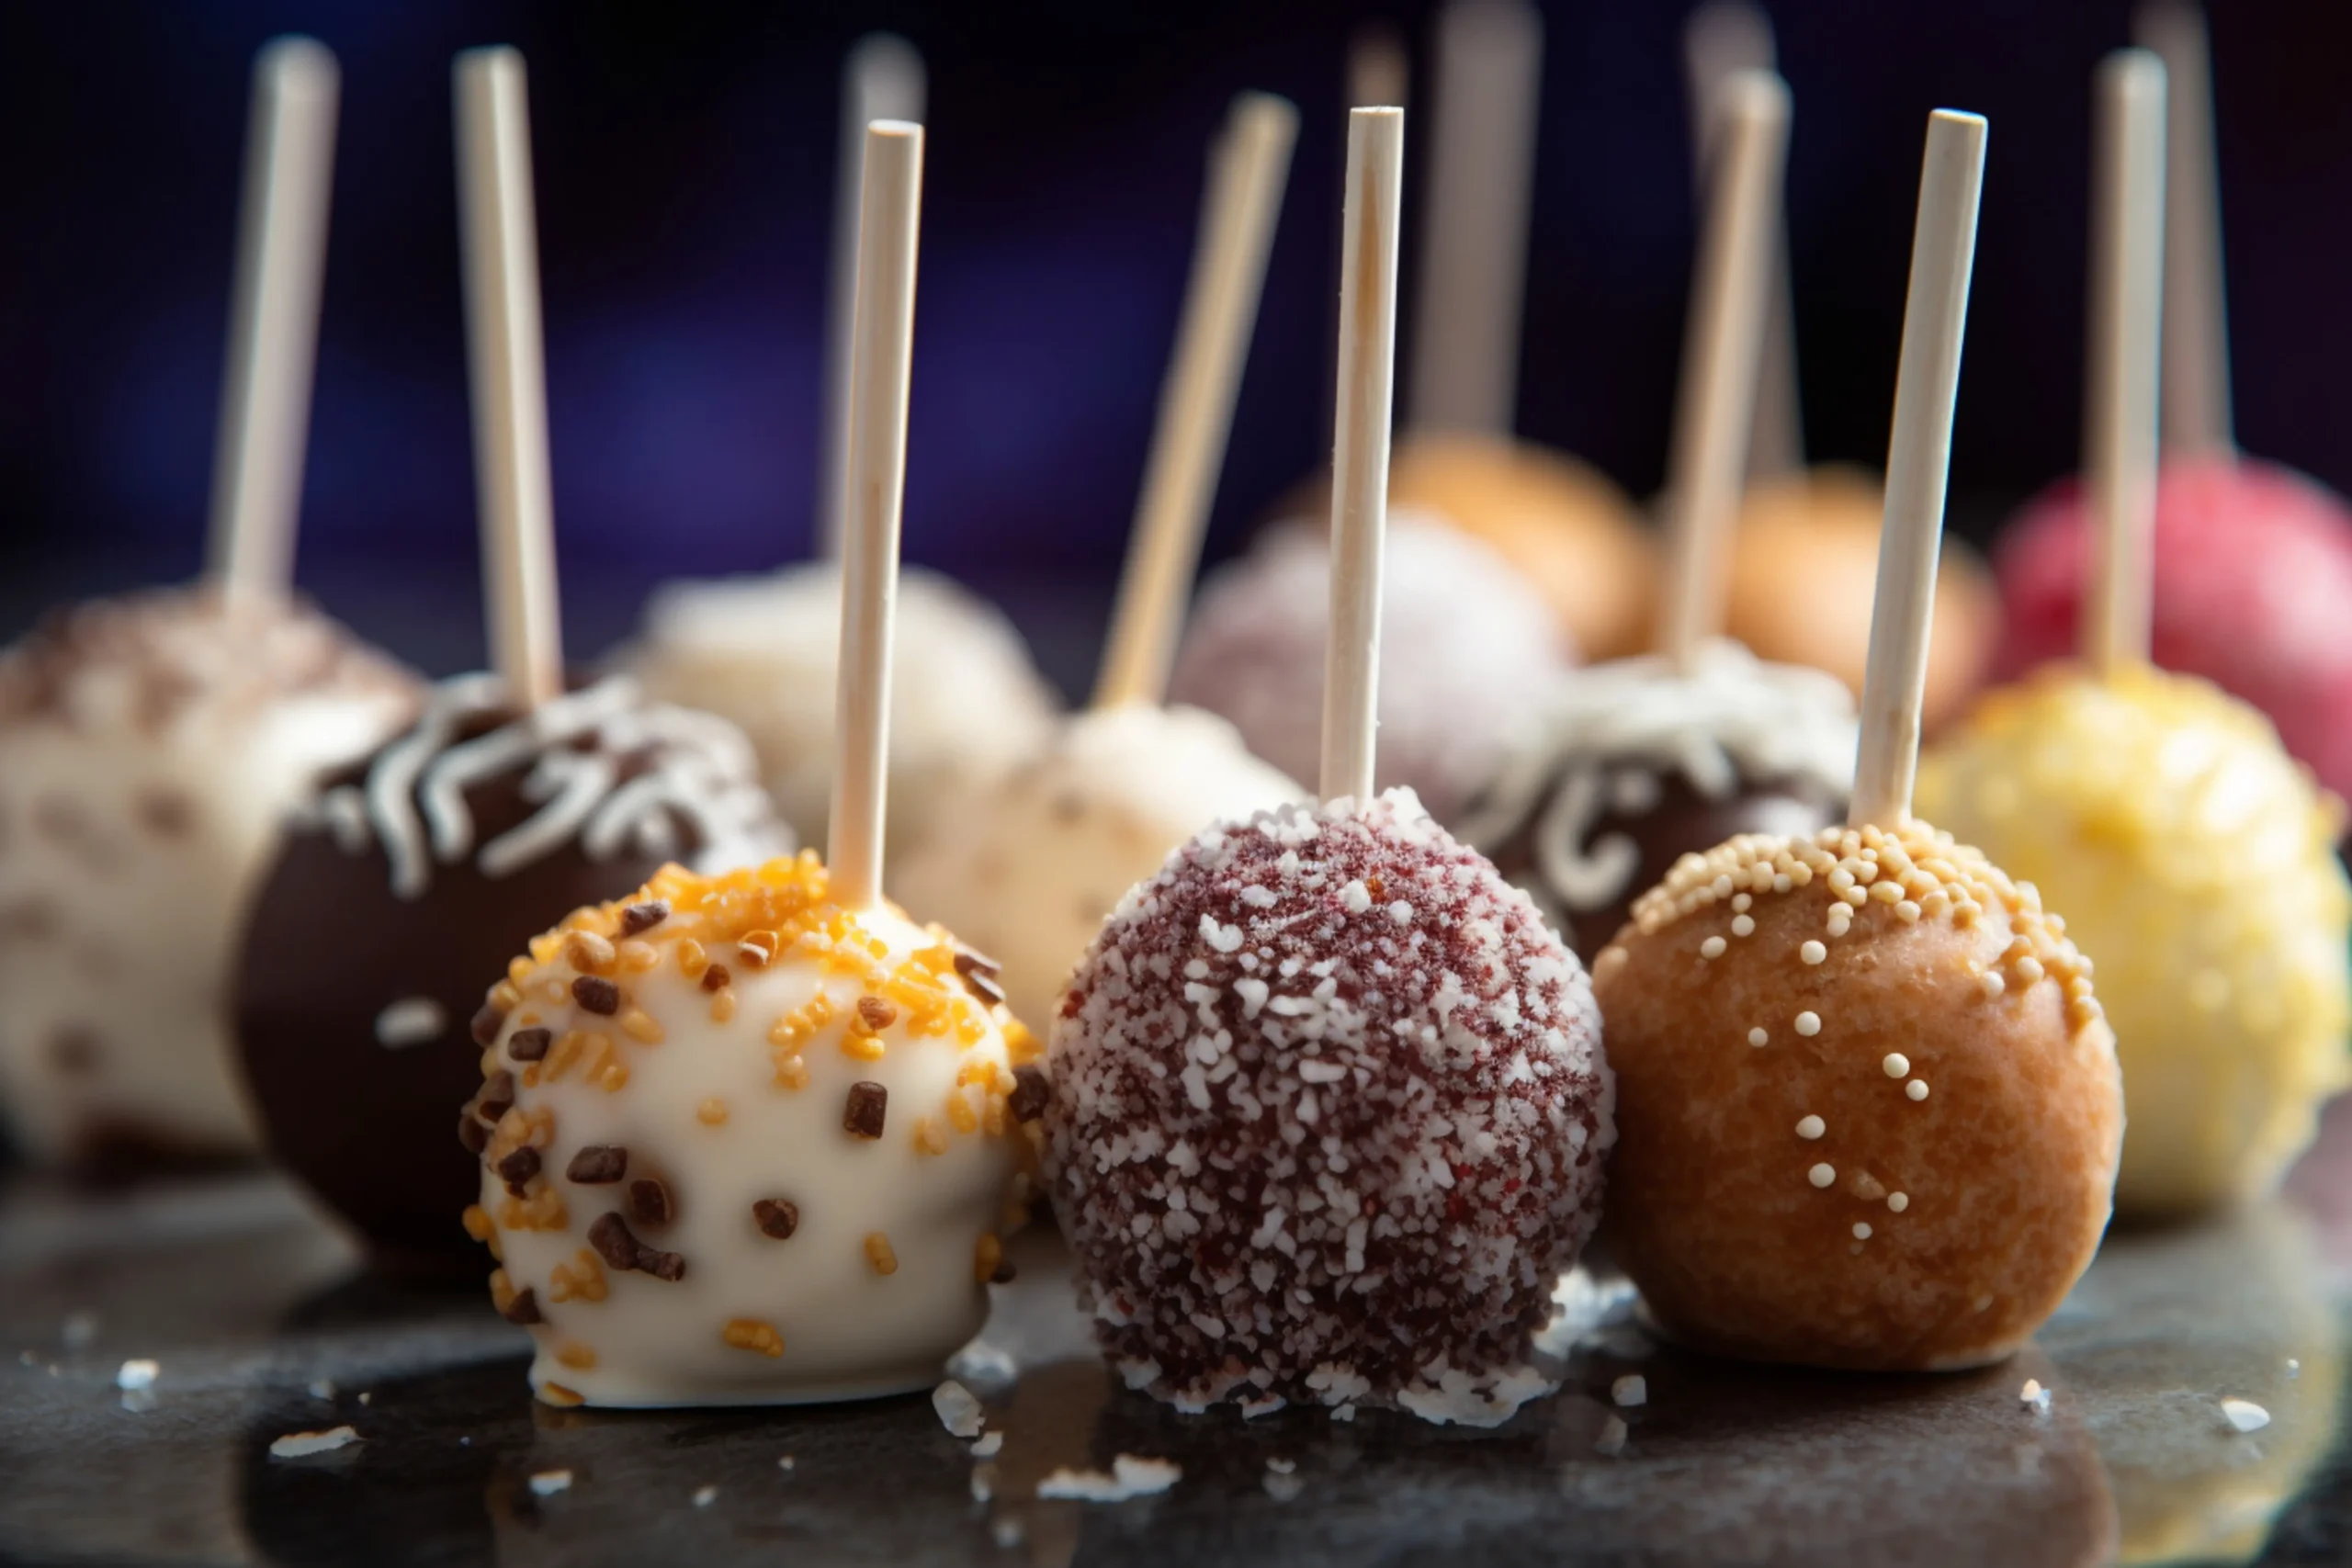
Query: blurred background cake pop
<point>1622,769</point>
<point>150,744</point>
<point>1805,551</point>
<point>759,649</point>
<point>2194,860</point>
<point>1035,859</point>
<point>2252,561</point>
<point>510,803</point>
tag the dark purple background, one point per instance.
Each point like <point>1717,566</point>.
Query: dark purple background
<point>685,165</point>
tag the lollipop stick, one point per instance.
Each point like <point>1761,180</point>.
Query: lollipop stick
<point>1730,289</point>
<point>498,231</point>
<point>889,213</point>
<point>882,79</point>
<point>1359,447</point>
<point>1247,171</point>
<point>1473,246</point>
<point>2126,320</point>
<point>2196,416</point>
<point>274,318</point>
<point>1722,37</point>
<point>1918,461</point>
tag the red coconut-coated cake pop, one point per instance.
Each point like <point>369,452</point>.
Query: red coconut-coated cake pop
<point>1328,1118</point>
<point>2253,569</point>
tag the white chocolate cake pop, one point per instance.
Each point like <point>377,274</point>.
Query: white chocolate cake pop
<point>1467,638</point>
<point>759,651</point>
<point>1034,863</point>
<point>747,1146</point>
<point>149,747</point>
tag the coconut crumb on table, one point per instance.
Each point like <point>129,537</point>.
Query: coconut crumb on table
<point>706,1495</point>
<point>1630,1391</point>
<point>547,1482</point>
<point>989,1446</point>
<point>2244,1415</point>
<point>960,1411</point>
<point>1130,1476</point>
<point>2034,1397</point>
<point>302,1445</point>
<point>136,1375</point>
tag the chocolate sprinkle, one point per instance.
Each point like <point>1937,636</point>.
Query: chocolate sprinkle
<point>869,1105</point>
<point>978,973</point>
<point>529,1044</point>
<point>1005,1272</point>
<point>471,1133</point>
<point>876,1014</point>
<point>613,1242</point>
<point>666,1266</point>
<point>522,1307</point>
<point>596,995</point>
<point>488,1022</point>
<point>1030,1093</point>
<point>497,1096</point>
<point>520,1166</point>
<point>650,1200</point>
<point>643,916</point>
<point>776,1217</point>
<point>598,1164</point>
<point>716,978</point>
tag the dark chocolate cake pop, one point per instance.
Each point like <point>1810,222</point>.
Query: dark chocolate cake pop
<point>1631,765</point>
<point>358,996</point>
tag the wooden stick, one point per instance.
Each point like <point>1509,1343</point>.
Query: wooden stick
<point>498,232</point>
<point>1474,233</point>
<point>1918,462</point>
<point>1722,37</point>
<point>2196,416</point>
<point>2126,322</point>
<point>1730,290</point>
<point>1247,170</point>
<point>890,221</point>
<point>274,318</point>
<point>882,78</point>
<point>1359,449</point>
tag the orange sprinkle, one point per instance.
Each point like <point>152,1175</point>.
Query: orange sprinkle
<point>477,1220</point>
<point>639,956</point>
<point>878,1253</point>
<point>961,1114</point>
<point>638,1025</point>
<point>576,1355</point>
<point>711,1112</point>
<point>751,1333</point>
<point>692,959</point>
<point>555,1393</point>
<point>722,1005</point>
<point>931,1138</point>
<point>502,1290</point>
<point>986,1257</point>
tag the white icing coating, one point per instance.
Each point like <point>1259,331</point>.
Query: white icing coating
<point>411,1021</point>
<point>696,769</point>
<point>1599,738</point>
<point>1036,862</point>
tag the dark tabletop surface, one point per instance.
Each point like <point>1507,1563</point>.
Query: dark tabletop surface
<point>262,1326</point>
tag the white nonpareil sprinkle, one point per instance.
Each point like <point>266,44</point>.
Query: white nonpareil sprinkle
<point>2245,1415</point>
<point>302,1445</point>
<point>959,1410</point>
<point>1759,1035</point>
<point>1861,1230</point>
<point>989,1446</point>
<point>1897,1064</point>
<point>1812,952</point>
<point>547,1482</point>
<point>1712,947</point>
<point>706,1495</point>
<point>1916,1089</point>
<point>1629,1390</point>
<point>137,1375</point>
<point>2034,1397</point>
<point>411,1021</point>
<point>1611,1440</point>
<point>1811,1127</point>
<point>1130,1477</point>
<point>1898,1202</point>
<point>785,1463</point>
<point>1808,1025</point>
<point>1822,1175</point>
<point>1743,925</point>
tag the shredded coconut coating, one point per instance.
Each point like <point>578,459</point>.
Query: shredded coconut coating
<point>1329,1116</point>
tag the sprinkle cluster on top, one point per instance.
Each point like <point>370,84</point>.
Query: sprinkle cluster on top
<point>1328,1120</point>
<point>572,1005</point>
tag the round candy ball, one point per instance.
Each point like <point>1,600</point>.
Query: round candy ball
<point>358,993</point>
<point>1624,768</point>
<point>2196,865</point>
<point>2253,567</point>
<point>1804,572</point>
<point>1327,1122</point>
<point>1463,636</point>
<point>1039,858</point>
<point>149,747</point>
<point>741,1146</point>
<point>967,703</point>
<point>1868,1108</point>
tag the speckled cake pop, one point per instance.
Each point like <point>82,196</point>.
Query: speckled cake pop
<point>1035,862</point>
<point>1626,767</point>
<point>1328,1119</point>
<point>359,994</point>
<point>1466,639</point>
<point>148,746</point>
<point>740,1145</point>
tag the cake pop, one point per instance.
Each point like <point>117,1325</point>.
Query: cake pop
<point>1254,655</point>
<point>1039,858</point>
<point>1328,1105</point>
<point>149,744</point>
<point>2252,561</point>
<point>2194,859</point>
<point>506,805</point>
<point>754,1139</point>
<point>1868,1107</point>
<point>1621,769</point>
